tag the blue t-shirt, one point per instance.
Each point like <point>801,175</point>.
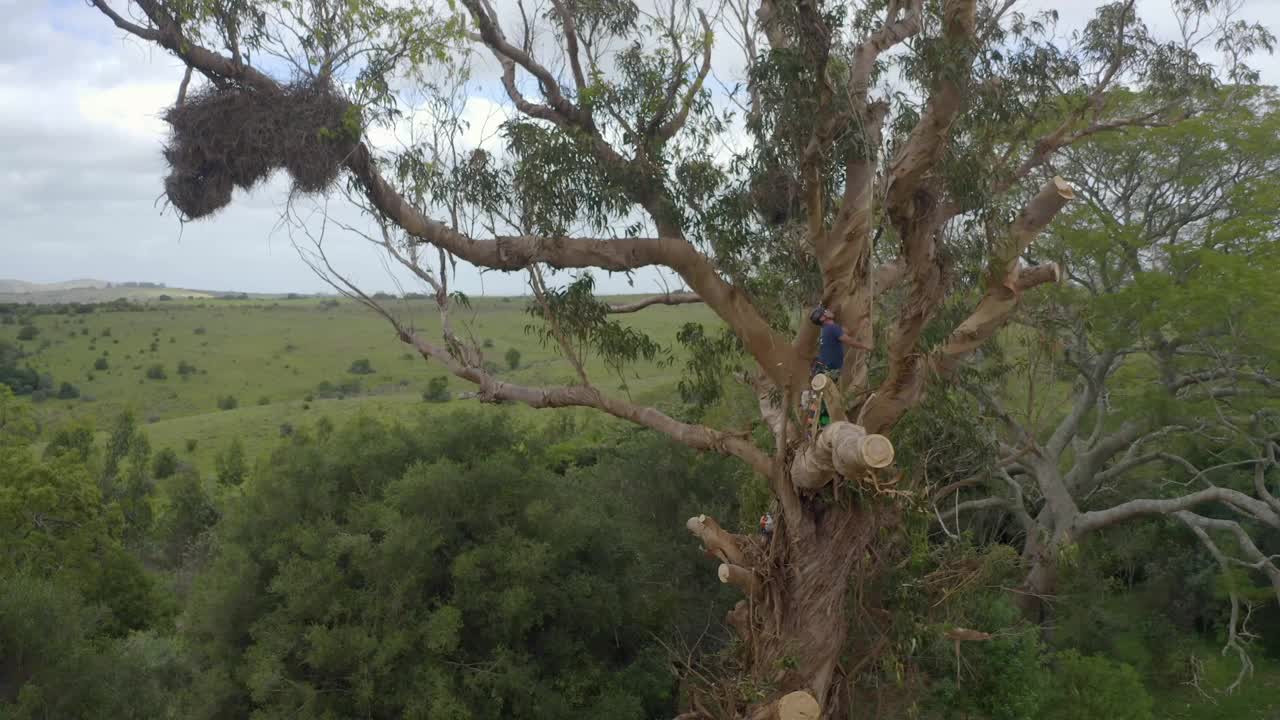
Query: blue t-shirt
<point>830,351</point>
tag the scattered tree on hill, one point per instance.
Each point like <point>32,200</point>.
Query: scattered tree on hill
<point>361,367</point>
<point>228,402</point>
<point>907,210</point>
<point>230,464</point>
<point>28,332</point>
<point>165,464</point>
<point>156,372</point>
<point>101,364</point>
<point>437,389</point>
<point>513,358</point>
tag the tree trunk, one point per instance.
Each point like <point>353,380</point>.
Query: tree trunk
<point>794,624</point>
<point>1040,553</point>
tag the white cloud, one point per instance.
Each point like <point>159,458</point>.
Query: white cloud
<point>81,169</point>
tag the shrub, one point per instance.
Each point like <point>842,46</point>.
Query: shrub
<point>185,368</point>
<point>165,464</point>
<point>437,390</point>
<point>513,358</point>
<point>1094,687</point>
<point>156,372</point>
<point>106,332</point>
<point>286,429</point>
<point>264,400</point>
<point>488,343</point>
<point>67,391</point>
<point>230,464</point>
<point>228,402</point>
<point>100,363</point>
<point>191,444</point>
<point>361,367</point>
<point>28,332</point>
<point>198,331</point>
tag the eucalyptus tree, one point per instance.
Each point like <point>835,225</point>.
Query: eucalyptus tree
<point>1163,330</point>
<point>881,145</point>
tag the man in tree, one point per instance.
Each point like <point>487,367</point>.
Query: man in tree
<point>832,343</point>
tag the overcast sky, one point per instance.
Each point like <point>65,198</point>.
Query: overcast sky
<point>81,172</point>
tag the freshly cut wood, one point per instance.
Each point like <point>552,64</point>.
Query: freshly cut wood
<point>798,705</point>
<point>719,542</point>
<point>843,448</point>
<point>741,578</point>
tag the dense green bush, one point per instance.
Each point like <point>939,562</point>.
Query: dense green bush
<point>228,402</point>
<point>1085,688</point>
<point>164,464</point>
<point>513,358</point>
<point>361,367</point>
<point>378,570</point>
<point>100,364</point>
<point>156,372</point>
<point>231,465</point>
<point>437,389</point>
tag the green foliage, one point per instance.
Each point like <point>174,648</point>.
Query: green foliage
<point>582,322</point>
<point>228,402</point>
<point>189,513</point>
<point>437,389</point>
<point>361,367</point>
<point>231,465</point>
<point>67,391</point>
<point>55,643</point>
<point>510,591</point>
<point>156,372</point>
<point>712,356</point>
<point>165,464</point>
<point>1087,687</point>
<point>28,332</point>
<point>513,358</point>
<point>101,364</point>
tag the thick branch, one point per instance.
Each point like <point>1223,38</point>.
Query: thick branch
<point>900,24</point>
<point>718,542</point>
<point>1098,519</point>
<point>740,577</point>
<point>698,437</point>
<point>843,448</point>
<point>928,139</point>
<point>664,299</point>
<point>512,253</point>
<point>1003,271</point>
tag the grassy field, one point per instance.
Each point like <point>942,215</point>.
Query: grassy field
<point>273,356</point>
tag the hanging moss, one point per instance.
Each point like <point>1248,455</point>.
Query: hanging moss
<point>224,138</point>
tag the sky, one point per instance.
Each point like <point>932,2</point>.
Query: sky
<point>81,172</point>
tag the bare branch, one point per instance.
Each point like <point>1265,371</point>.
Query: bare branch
<point>1098,519</point>
<point>664,299</point>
